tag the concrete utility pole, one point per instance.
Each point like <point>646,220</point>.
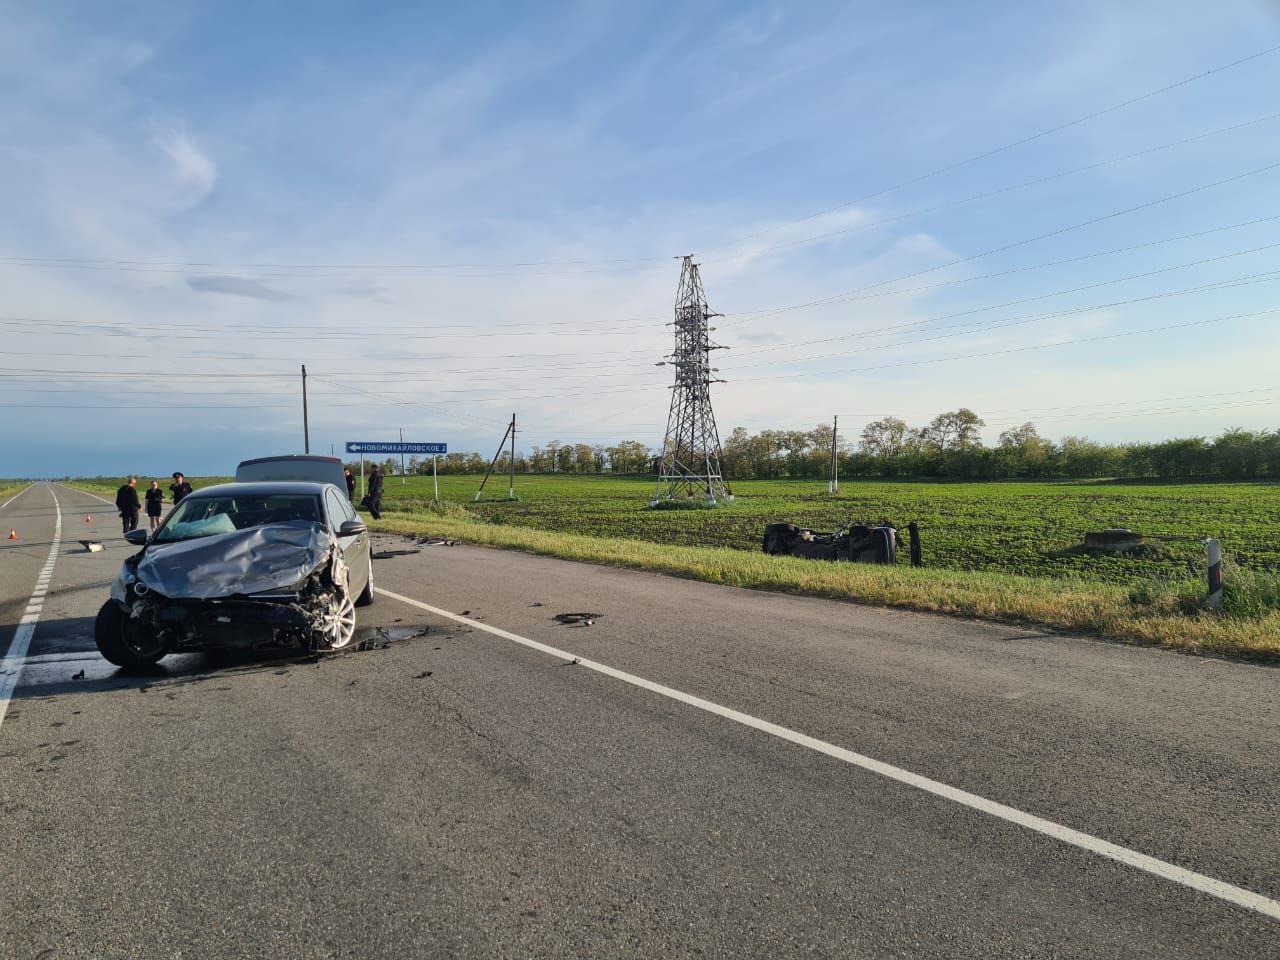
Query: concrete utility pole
<point>511,486</point>
<point>510,431</point>
<point>833,486</point>
<point>306,426</point>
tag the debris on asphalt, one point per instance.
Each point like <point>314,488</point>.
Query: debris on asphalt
<point>586,619</point>
<point>574,662</point>
<point>78,676</point>
<point>465,613</point>
<point>536,603</point>
<point>91,546</point>
<point>379,638</point>
<point>423,675</point>
<point>388,554</point>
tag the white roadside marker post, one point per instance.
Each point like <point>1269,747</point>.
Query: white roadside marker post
<point>1214,550</point>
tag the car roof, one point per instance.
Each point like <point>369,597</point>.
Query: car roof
<point>262,488</point>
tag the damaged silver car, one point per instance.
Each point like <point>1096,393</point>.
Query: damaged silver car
<point>241,565</point>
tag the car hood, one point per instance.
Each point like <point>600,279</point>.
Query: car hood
<point>255,560</point>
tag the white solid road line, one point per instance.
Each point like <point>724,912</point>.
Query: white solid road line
<point>87,494</point>
<point>1167,871</point>
<point>11,666</point>
<point>16,495</point>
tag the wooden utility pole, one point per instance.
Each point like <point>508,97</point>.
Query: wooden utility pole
<point>306,426</point>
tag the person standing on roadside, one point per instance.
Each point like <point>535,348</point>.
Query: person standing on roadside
<point>375,492</point>
<point>179,488</point>
<point>155,504</point>
<point>128,504</point>
<point>351,484</point>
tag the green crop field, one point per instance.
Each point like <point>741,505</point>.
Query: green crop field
<point>1019,528</point>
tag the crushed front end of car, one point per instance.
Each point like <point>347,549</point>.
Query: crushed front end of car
<point>265,586</point>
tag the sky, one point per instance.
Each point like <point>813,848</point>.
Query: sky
<point>1068,214</point>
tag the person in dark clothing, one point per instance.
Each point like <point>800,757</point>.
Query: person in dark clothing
<point>128,504</point>
<point>155,504</point>
<point>375,492</point>
<point>179,488</point>
<point>351,484</point>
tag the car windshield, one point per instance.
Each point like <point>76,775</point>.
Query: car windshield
<point>209,516</point>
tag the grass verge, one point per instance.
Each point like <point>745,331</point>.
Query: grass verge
<point>1097,609</point>
<point>7,490</point>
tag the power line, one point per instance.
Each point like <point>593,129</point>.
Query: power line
<point>913,324</point>
<point>339,334</point>
<point>1021,243</point>
<point>592,375</point>
<point>614,263</point>
<point>577,365</point>
<point>1036,181</point>
<point>1017,143</point>
<point>970,329</point>
<point>1012,350</point>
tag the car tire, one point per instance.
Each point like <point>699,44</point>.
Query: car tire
<point>366,595</point>
<point>108,632</point>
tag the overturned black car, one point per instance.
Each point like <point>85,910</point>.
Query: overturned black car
<point>853,544</point>
<point>241,565</point>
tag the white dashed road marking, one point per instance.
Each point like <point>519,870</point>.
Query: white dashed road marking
<point>1140,861</point>
<point>11,666</point>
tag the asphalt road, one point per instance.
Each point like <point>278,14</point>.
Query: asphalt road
<point>458,793</point>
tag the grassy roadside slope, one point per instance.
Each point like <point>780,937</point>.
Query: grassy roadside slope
<point>7,490</point>
<point>1078,606</point>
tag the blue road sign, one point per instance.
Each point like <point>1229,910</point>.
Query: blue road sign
<point>357,446</point>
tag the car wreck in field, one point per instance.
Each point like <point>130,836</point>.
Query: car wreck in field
<point>242,565</point>
<point>853,544</point>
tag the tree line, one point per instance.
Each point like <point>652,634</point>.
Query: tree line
<point>948,447</point>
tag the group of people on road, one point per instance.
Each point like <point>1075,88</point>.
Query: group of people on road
<point>130,506</point>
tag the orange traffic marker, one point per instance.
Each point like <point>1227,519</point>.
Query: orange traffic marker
<point>13,534</point>
<point>88,518</point>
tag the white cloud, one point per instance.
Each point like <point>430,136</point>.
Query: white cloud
<point>192,168</point>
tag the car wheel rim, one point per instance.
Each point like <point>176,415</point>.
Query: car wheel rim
<point>340,622</point>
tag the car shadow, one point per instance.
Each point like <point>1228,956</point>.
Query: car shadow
<point>64,660</point>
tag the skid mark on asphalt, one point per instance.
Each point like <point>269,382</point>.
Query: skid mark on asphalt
<point>11,666</point>
<point>1104,848</point>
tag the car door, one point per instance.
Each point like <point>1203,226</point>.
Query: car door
<point>355,550</point>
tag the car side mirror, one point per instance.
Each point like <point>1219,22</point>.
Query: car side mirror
<point>352,528</point>
<point>137,537</point>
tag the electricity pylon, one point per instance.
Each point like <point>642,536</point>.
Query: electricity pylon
<point>691,450</point>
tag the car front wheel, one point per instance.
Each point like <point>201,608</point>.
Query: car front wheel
<point>124,642</point>
<point>338,623</point>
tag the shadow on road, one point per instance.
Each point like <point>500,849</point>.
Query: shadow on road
<point>64,660</point>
